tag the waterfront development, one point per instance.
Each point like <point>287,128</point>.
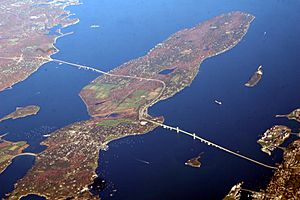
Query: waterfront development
<point>118,103</point>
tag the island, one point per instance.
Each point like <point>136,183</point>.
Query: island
<point>22,112</point>
<point>27,43</point>
<point>8,151</point>
<point>118,103</point>
<point>273,138</point>
<point>194,162</point>
<point>255,78</point>
<point>294,115</point>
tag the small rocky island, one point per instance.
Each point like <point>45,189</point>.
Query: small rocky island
<point>255,78</point>
<point>273,138</point>
<point>194,162</point>
<point>22,112</point>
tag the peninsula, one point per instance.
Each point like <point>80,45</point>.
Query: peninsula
<point>25,35</point>
<point>118,102</point>
<point>234,193</point>
<point>295,115</point>
<point>22,112</point>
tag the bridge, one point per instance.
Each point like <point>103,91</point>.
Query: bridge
<point>209,143</point>
<point>25,154</point>
<point>143,111</point>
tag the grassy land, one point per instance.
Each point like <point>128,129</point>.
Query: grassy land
<point>114,122</point>
<point>103,89</point>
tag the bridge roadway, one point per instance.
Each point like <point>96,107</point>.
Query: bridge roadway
<point>25,154</point>
<point>178,130</point>
<point>143,111</point>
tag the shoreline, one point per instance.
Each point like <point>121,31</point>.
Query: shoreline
<point>52,45</point>
<point>10,161</point>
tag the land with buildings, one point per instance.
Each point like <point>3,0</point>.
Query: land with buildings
<point>234,193</point>
<point>285,183</point>
<point>118,101</point>
<point>273,138</point>
<point>24,36</point>
<point>22,112</point>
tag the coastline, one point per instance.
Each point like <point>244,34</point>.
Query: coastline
<point>9,162</point>
<point>44,61</point>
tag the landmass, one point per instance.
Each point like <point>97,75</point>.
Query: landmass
<point>285,183</point>
<point>22,112</point>
<point>295,115</point>
<point>118,102</point>
<point>234,193</point>
<point>8,151</point>
<point>24,36</point>
<point>255,78</point>
<point>194,162</point>
<point>273,138</point>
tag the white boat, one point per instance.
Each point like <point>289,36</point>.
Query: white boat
<point>46,135</point>
<point>94,26</point>
<point>218,102</point>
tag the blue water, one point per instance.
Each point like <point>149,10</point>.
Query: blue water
<point>128,29</point>
<point>167,71</point>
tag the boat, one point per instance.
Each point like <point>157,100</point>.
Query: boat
<point>94,26</point>
<point>218,102</point>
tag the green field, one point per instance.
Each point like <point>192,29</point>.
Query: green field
<point>114,122</point>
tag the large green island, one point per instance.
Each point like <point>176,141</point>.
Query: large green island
<point>117,103</point>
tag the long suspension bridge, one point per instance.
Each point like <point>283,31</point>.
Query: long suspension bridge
<point>142,111</point>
